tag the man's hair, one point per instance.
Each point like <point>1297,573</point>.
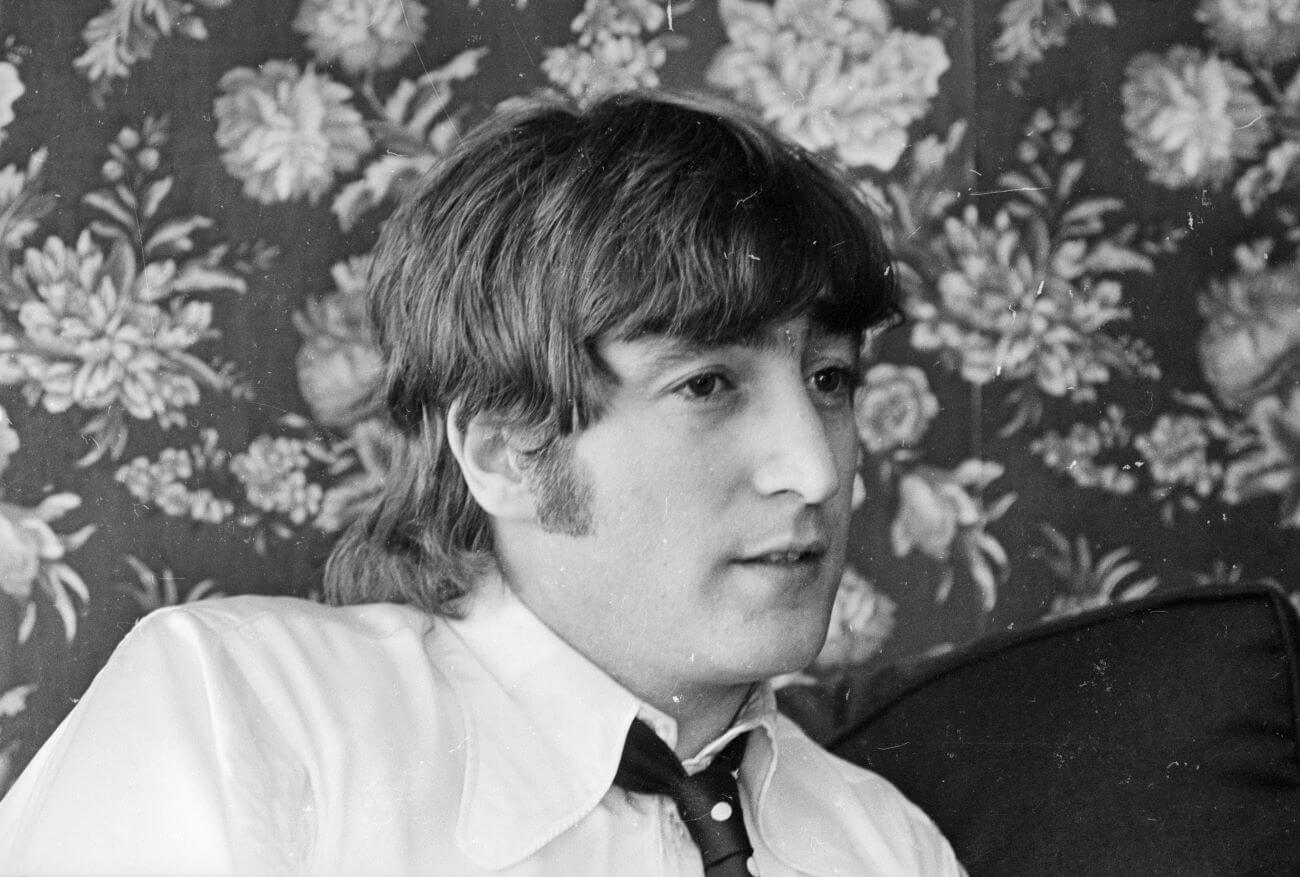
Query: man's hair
<point>547,231</point>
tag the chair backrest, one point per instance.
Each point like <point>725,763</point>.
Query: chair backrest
<point>1160,736</point>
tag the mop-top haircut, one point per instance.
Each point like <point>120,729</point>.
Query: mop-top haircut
<point>546,232</point>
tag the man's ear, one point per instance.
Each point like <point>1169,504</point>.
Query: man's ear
<point>491,465</point>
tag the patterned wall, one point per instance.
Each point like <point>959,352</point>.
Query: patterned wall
<point>1094,205</point>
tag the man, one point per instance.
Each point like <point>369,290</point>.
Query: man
<point>621,344</point>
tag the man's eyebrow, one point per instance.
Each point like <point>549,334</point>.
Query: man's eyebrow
<point>670,352</point>
<point>811,336</point>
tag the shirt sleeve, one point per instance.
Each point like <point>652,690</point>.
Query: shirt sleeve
<point>169,764</point>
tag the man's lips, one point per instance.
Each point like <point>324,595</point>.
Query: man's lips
<point>786,554</point>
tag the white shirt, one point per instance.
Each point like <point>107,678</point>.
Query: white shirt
<point>261,735</point>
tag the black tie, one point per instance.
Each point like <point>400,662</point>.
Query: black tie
<point>709,801</point>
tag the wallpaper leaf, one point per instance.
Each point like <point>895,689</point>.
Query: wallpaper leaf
<point>33,554</point>
<point>151,591</point>
<point>1029,28</point>
<point>414,126</point>
<point>1087,581</point>
<point>127,31</point>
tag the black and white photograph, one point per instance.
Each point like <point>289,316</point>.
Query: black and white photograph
<point>851,438</point>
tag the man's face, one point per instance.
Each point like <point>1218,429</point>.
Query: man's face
<point>717,488</point>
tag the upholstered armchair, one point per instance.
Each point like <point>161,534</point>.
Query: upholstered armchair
<point>1148,738</point>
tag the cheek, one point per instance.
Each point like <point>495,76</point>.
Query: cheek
<point>842,435</point>
<point>669,478</point>
<point>663,520</point>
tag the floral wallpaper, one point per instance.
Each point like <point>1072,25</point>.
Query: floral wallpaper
<point>1095,208</point>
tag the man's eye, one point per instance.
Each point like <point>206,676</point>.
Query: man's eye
<point>835,383</point>
<point>703,386</point>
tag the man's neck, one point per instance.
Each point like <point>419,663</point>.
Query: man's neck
<point>701,717</point>
<point>702,713</point>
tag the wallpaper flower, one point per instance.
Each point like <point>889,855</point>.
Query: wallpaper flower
<point>611,52</point>
<point>1192,117</point>
<point>1252,328</point>
<point>1094,393</point>
<point>363,35</point>
<point>1265,31</point>
<point>833,75</point>
<point>338,362</point>
<point>286,132</point>
<point>894,407</point>
<point>11,88</point>
<point>861,621</point>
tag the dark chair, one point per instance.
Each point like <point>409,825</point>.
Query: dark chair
<point>1160,736</point>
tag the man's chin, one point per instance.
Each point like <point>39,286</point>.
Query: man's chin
<point>792,654</point>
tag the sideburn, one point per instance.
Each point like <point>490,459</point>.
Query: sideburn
<point>564,495</point>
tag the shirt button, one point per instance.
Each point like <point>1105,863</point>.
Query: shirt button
<point>721,811</point>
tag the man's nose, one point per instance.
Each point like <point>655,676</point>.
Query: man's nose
<point>793,450</point>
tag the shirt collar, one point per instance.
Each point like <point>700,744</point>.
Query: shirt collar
<point>540,716</point>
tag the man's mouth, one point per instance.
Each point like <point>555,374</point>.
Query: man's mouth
<point>792,555</point>
<point>782,557</point>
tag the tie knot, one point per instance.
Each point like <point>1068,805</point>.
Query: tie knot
<point>708,801</point>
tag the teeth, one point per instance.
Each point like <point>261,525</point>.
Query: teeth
<point>783,557</point>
